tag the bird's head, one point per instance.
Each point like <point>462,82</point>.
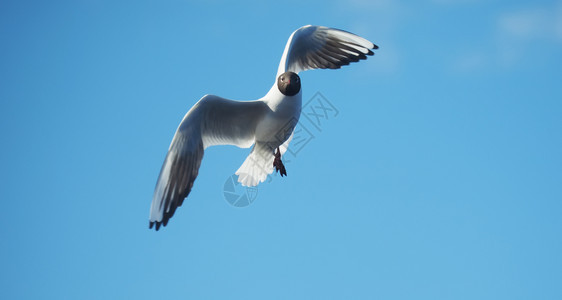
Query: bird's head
<point>289,83</point>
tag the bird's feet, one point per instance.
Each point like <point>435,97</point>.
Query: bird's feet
<point>278,164</point>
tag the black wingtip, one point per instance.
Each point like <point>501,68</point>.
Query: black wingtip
<point>375,47</point>
<point>151,224</point>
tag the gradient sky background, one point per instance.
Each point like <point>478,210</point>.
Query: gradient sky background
<point>440,177</point>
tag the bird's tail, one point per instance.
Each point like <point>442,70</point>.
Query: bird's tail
<point>257,166</point>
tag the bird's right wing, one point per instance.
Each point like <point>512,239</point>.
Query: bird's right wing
<point>212,121</point>
<point>319,47</point>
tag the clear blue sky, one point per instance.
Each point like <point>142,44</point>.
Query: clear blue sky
<point>440,177</point>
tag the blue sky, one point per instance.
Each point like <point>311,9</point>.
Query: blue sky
<point>439,178</point>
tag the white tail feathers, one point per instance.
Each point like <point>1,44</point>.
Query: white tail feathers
<point>259,163</point>
<point>257,166</point>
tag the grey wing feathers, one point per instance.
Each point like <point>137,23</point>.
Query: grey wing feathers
<point>229,122</point>
<point>176,178</point>
<point>211,121</point>
<point>318,47</point>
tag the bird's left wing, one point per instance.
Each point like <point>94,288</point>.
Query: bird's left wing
<point>212,121</point>
<point>319,47</point>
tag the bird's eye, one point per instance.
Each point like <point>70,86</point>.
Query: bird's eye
<point>282,78</point>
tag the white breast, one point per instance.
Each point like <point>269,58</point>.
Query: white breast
<point>283,117</point>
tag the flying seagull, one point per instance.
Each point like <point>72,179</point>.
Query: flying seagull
<point>266,123</point>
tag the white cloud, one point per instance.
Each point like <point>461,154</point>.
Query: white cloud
<point>470,62</point>
<point>379,21</point>
<point>515,34</point>
<point>534,23</point>
<point>518,30</point>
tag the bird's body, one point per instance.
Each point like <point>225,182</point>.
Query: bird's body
<point>266,123</point>
<point>282,110</point>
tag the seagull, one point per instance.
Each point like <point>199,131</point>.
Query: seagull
<point>266,123</point>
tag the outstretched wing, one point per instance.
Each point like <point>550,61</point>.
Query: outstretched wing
<point>319,47</point>
<point>212,121</point>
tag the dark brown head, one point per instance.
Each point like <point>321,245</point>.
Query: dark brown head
<point>289,83</point>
